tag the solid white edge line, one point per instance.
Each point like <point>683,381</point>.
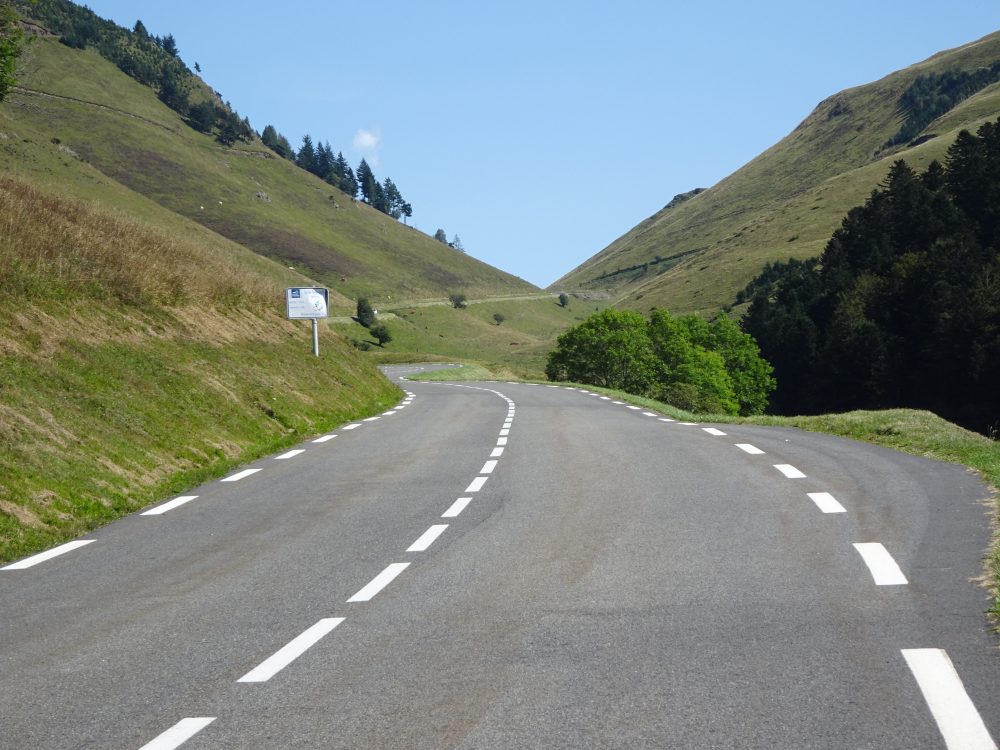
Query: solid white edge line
<point>959,722</point>
<point>324,438</point>
<point>291,651</point>
<point>427,538</point>
<point>379,582</point>
<point>456,507</point>
<point>826,502</point>
<point>179,733</point>
<point>497,452</point>
<point>477,484</point>
<point>713,431</point>
<point>41,557</point>
<point>753,450</point>
<point>290,454</point>
<point>789,471</point>
<point>169,505</point>
<point>488,467</point>
<point>240,475</point>
<point>885,571</point>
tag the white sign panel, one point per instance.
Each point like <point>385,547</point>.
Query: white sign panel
<point>306,302</point>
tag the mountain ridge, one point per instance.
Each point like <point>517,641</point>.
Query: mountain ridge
<point>782,203</point>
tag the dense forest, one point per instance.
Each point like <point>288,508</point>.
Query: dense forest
<point>155,61</point>
<point>903,306</point>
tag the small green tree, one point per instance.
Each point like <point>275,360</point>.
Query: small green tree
<point>441,237</point>
<point>381,333</point>
<point>365,314</point>
<point>457,300</point>
<point>499,318</point>
<point>563,299</point>
<point>610,349</point>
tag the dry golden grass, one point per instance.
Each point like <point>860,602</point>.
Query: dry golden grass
<point>57,249</point>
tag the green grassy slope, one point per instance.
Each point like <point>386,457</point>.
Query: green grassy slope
<point>120,136</point>
<point>135,363</point>
<point>520,344</point>
<point>786,202</point>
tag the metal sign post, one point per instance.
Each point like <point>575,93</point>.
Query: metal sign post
<point>308,303</point>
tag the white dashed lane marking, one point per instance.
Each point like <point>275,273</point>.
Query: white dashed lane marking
<point>477,484</point>
<point>290,454</point>
<point>324,438</point>
<point>427,538</point>
<point>291,651</point>
<point>179,733</point>
<point>826,502</point>
<point>751,449</point>
<point>488,467</point>
<point>958,720</point>
<point>379,582</point>
<point>240,475</point>
<point>169,505</point>
<point>789,471</point>
<point>41,557</point>
<point>497,452</point>
<point>351,426</point>
<point>883,568</point>
<point>456,507</point>
<point>501,441</point>
<point>713,431</point>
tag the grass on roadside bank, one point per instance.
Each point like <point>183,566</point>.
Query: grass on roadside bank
<point>913,431</point>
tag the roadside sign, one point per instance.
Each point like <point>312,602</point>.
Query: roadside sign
<point>306,303</point>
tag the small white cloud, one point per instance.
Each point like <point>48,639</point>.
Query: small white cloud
<point>365,140</point>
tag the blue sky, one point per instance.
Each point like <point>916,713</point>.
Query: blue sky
<point>540,131</point>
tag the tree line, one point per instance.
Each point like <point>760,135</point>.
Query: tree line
<point>155,61</point>
<point>685,361</point>
<point>320,160</point>
<point>902,309</point>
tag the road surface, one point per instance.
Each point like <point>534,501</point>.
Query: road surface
<point>494,565</point>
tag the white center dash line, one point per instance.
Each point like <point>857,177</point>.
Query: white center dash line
<point>324,438</point>
<point>370,419</point>
<point>488,467</point>
<point>958,720</point>
<point>379,582</point>
<point>290,454</point>
<point>427,538</point>
<point>502,441</point>
<point>497,452</point>
<point>789,471</point>
<point>713,431</point>
<point>456,507</point>
<point>240,475</point>
<point>477,484</point>
<point>62,549</point>
<point>883,568</point>
<point>354,426</point>
<point>826,502</point>
<point>504,432</point>
<point>179,733</point>
<point>169,505</point>
<point>753,450</point>
<point>291,651</point>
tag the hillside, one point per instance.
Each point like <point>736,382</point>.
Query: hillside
<point>78,125</point>
<point>135,363</point>
<point>698,252</point>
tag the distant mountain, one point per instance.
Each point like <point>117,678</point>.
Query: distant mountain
<point>703,247</point>
<point>78,124</point>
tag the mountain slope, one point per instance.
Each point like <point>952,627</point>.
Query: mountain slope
<point>695,254</point>
<point>76,120</point>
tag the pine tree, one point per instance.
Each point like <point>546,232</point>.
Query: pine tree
<point>366,181</point>
<point>307,154</point>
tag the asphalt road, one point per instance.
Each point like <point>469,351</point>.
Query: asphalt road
<point>501,565</point>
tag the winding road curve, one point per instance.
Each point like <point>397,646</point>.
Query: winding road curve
<point>495,565</point>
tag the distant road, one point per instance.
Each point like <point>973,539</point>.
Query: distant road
<point>496,565</point>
